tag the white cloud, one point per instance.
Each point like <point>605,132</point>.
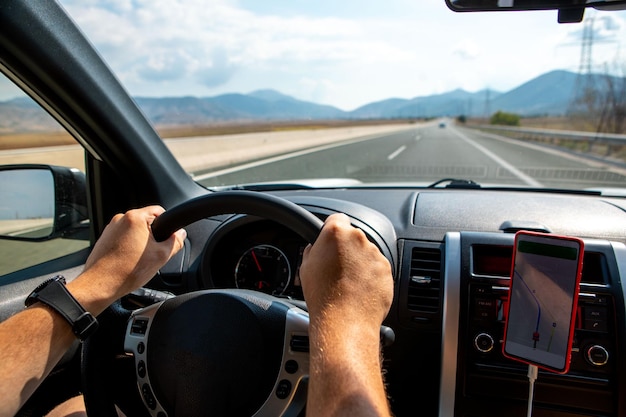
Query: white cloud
<point>609,26</point>
<point>163,41</point>
<point>467,49</point>
<point>410,48</point>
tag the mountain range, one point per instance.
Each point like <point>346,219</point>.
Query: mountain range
<point>548,94</point>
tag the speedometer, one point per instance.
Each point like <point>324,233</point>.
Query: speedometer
<point>263,268</point>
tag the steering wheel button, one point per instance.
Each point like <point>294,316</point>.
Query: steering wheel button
<point>284,389</point>
<point>141,348</point>
<point>291,366</point>
<point>299,343</point>
<point>139,327</point>
<point>141,369</point>
<point>148,397</point>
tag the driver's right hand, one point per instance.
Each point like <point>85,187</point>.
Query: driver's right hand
<point>344,275</point>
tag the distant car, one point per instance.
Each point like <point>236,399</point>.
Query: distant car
<point>442,125</point>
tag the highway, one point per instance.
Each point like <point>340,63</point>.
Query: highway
<point>425,154</point>
<point>416,154</point>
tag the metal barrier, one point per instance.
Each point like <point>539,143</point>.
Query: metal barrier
<point>610,140</point>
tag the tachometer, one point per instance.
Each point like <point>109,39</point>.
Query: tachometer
<point>263,268</point>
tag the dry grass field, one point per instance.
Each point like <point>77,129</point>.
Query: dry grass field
<point>60,138</point>
<point>35,140</point>
<point>560,123</point>
<point>198,148</point>
<point>172,132</point>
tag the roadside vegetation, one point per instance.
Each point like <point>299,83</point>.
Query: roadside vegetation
<point>505,119</point>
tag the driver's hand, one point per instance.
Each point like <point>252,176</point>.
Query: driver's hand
<point>348,288</point>
<point>345,277</point>
<point>126,256</point>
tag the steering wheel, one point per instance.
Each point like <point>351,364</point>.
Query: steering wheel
<point>215,352</point>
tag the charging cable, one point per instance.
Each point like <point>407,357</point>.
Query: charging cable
<point>532,377</point>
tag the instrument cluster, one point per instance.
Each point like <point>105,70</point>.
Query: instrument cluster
<point>259,255</point>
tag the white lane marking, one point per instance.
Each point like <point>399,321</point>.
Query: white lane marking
<point>519,174</point>
<point>279,158</point>
<point>417,137</point>
<point>396,152</point>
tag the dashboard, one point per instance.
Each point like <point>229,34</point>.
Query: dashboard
<point>451,254</point>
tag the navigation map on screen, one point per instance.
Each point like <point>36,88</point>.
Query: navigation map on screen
<point>544,289</point>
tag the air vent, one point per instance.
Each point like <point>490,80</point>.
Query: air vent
<point>424,289</point>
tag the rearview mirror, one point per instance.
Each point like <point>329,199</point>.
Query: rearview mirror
<point>570,11</point>
<point>41,202</point>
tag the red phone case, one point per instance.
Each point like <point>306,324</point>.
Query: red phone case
<point>555,238</point>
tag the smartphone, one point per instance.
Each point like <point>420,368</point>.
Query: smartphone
<point>543,299</point>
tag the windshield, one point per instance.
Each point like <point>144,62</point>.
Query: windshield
<point>399,92</point>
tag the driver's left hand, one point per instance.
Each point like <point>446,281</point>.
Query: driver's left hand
<point>124,258</point>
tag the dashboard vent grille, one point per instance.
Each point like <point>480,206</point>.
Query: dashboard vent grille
<point>424,294</point>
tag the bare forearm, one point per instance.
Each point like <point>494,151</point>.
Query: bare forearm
<point>125,258</point>
<point>346,376</point>
<point>29,356</point>
<point>33,341</point>
<point>348,287</point>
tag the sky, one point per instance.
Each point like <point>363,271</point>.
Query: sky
<point>344,53</point>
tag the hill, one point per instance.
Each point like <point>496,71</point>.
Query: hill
<point>549,94</point>
<point>257,106</point>
<point>451,103</point>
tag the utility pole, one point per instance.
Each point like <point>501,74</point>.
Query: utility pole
<point>586,50</point>
<point>582,103</point>
<point>487,103</point>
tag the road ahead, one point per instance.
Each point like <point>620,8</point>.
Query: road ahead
<point>427,154</point>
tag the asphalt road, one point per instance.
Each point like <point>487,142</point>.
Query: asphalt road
<point>427,154</point>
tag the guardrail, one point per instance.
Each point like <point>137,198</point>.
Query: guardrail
<point>555,136</point>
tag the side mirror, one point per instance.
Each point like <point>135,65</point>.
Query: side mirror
<point>41,202</point>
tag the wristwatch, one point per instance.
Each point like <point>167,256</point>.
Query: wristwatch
<point>55,295</point>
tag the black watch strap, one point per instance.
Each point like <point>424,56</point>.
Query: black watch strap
<point>55,295</point>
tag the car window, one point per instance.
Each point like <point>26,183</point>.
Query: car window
<point>407,93</point>
<point>28,135</point>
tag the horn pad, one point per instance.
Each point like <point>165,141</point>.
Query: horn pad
<point>216,352</point>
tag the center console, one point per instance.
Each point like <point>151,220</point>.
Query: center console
<point>488,384</point>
